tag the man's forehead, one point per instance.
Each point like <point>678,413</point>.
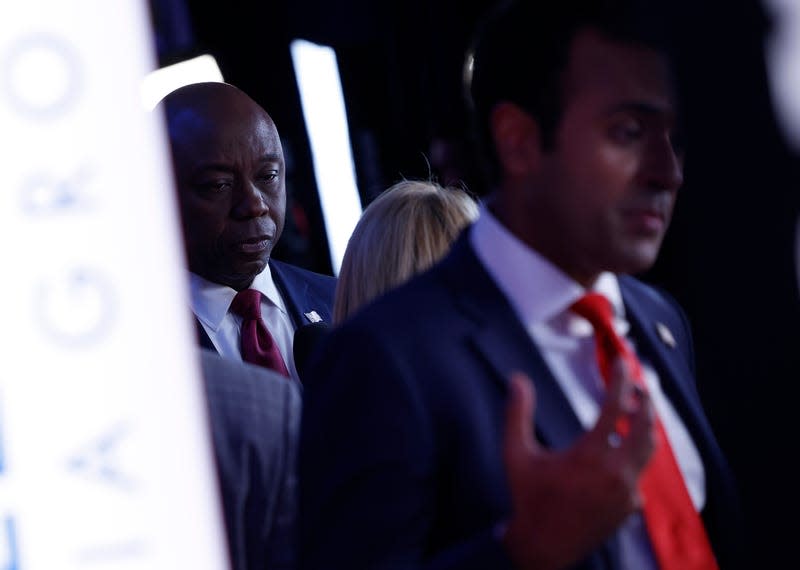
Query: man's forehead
<point>216,152</point>
<point>209,106</point>
<point>198,128</point>
<point>220,116</point>
<point>624,70</point>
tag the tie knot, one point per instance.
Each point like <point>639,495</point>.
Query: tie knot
<point>247,304</point>
<point>596,309</point>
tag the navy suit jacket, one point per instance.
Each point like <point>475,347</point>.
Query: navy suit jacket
<point>254,416</point>
<point>400,459</point>
<point>303,291</point>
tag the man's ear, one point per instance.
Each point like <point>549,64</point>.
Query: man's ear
<point>516,138</point>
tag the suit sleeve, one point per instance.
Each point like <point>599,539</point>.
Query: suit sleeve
<point>368,465</point>
<point>280,541</point>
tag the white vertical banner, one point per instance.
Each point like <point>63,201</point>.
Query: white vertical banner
<point>105,455</point>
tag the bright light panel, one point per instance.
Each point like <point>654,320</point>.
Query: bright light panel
<point>159,83</point>
<point>325,115</point>
<point>783,67</point>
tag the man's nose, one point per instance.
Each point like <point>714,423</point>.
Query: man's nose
<point>663,167</point>
<point>251,201</point>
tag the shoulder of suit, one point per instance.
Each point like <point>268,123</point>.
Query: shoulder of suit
<point>658,303</point>
<point>254,414</point>
<point>647,293</point>
<point>297,272</point>
<point>235,382</point>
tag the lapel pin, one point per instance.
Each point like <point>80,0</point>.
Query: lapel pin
<point>665,335</point>
<point>313,317</point>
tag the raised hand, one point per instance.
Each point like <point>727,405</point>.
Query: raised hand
<point>566,503</point>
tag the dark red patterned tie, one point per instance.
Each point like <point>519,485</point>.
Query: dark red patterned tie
<point>258,346</point>
<point>675,528</point>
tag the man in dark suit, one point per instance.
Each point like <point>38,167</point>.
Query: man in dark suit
<point>255,419</point>
<point>230,176</point>
<point>420,446</point>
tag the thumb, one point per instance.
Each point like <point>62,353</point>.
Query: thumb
<point>519,439</point>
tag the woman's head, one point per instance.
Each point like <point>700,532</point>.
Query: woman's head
<point>402,232</point>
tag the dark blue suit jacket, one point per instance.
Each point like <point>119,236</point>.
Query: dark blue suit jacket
<point>303,291</point>
<point>400,458</point>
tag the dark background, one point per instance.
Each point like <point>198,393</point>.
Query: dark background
<point>729,255</point>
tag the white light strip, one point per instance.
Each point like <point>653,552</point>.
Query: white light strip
<point>159,83</point>
<point>325,115</point>
<point>783,69</point>
<point>783,66</point>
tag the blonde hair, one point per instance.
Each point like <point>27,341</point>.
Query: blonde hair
<point>404,231</point>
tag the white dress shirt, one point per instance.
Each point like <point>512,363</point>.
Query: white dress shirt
<point>211,303</point>
<point>541,294</point>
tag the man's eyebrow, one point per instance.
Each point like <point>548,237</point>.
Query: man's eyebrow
<point>642,108</point>
<point>224,167</point>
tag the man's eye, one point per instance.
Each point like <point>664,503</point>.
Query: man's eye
<point>215,186</point>
<point>626,132</point>
<point>269,176</point>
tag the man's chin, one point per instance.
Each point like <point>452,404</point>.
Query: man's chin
<point>629,255</point>
<point>242,276</point>
<point>248,271</point>
<point>639,259</point>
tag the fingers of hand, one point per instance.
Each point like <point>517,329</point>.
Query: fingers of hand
<point>616,401</point>
<point>625,428</point>
<point>639,444</point>
<point>628,389</point>
<point>519,438</point>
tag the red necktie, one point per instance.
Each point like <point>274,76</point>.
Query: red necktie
<point>675,528</point>
<point>258,346</point>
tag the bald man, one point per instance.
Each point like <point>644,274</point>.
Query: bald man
<point>231,181</point>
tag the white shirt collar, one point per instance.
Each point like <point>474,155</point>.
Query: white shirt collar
<point>211,301</point>
<point>538,290</point>
<point>541,295</point>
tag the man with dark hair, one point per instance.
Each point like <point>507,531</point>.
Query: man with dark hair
<point>230,176</point>
<point>419,446</point>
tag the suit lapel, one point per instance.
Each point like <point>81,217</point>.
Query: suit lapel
<point>294,293</point>
<point>674,375</point>
<point>507,348</point>
<point>722,507</point>
<point>501,340</point>
<point>202,336</point>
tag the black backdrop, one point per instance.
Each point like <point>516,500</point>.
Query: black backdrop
<point>729,255</point>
